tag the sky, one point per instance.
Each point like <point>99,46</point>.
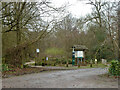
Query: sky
<point>77,8</point>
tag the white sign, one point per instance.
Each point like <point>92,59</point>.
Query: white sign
<point>46,58</point>
<point>37,50</point>
<point>80,54</point>
<point>95,60</point>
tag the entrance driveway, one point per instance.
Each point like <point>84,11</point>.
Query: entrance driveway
<point>80,78</point>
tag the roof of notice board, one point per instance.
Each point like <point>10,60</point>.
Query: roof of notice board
<point>82,47</point>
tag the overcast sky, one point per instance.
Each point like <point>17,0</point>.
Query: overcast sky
<point>77,8</point>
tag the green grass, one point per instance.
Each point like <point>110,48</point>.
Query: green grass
<point>99,65</point>
<point>88,66</point>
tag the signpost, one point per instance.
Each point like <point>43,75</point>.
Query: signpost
<point>37,50</point>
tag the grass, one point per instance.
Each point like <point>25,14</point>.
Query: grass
<point>99,65</point>
<point>85,67</point>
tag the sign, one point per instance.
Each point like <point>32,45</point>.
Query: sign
<point>47,58</point>
<point>37,50</point>
<point>95,60</point>
<point>80,54</point>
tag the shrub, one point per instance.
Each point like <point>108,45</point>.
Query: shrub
<point>64,61</point>
<point>70,61</point>
<point>43,64</point>
<point>5,67</point>
<point>39,63</point>
<point>114,68</point>
<point>25,66</point>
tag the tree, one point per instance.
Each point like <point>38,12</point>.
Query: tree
<point>104,16</point>
<point>25,18</point>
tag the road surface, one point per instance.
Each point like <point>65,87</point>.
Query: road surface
<point>80,78</point>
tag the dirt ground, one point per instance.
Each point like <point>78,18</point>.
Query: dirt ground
<point>80,78</point>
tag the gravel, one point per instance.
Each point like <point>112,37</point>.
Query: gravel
<point>80,78</point>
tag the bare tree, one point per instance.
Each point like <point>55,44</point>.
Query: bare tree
<point>104,15</point>
<point>23,18</point>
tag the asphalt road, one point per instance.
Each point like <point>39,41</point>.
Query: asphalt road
<point>80,78</point>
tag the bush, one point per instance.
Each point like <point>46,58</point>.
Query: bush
<point>43,64</point>
<point>114,68</point>
<point>5,67</point>
<point>64,61</point>
<point>70,61</point>
<point>25,66</point>
<point>38,63</point>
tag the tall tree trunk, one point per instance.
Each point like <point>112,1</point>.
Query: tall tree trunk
<point>18,34</point>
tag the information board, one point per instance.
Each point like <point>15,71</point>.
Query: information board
<point>80,54</point>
